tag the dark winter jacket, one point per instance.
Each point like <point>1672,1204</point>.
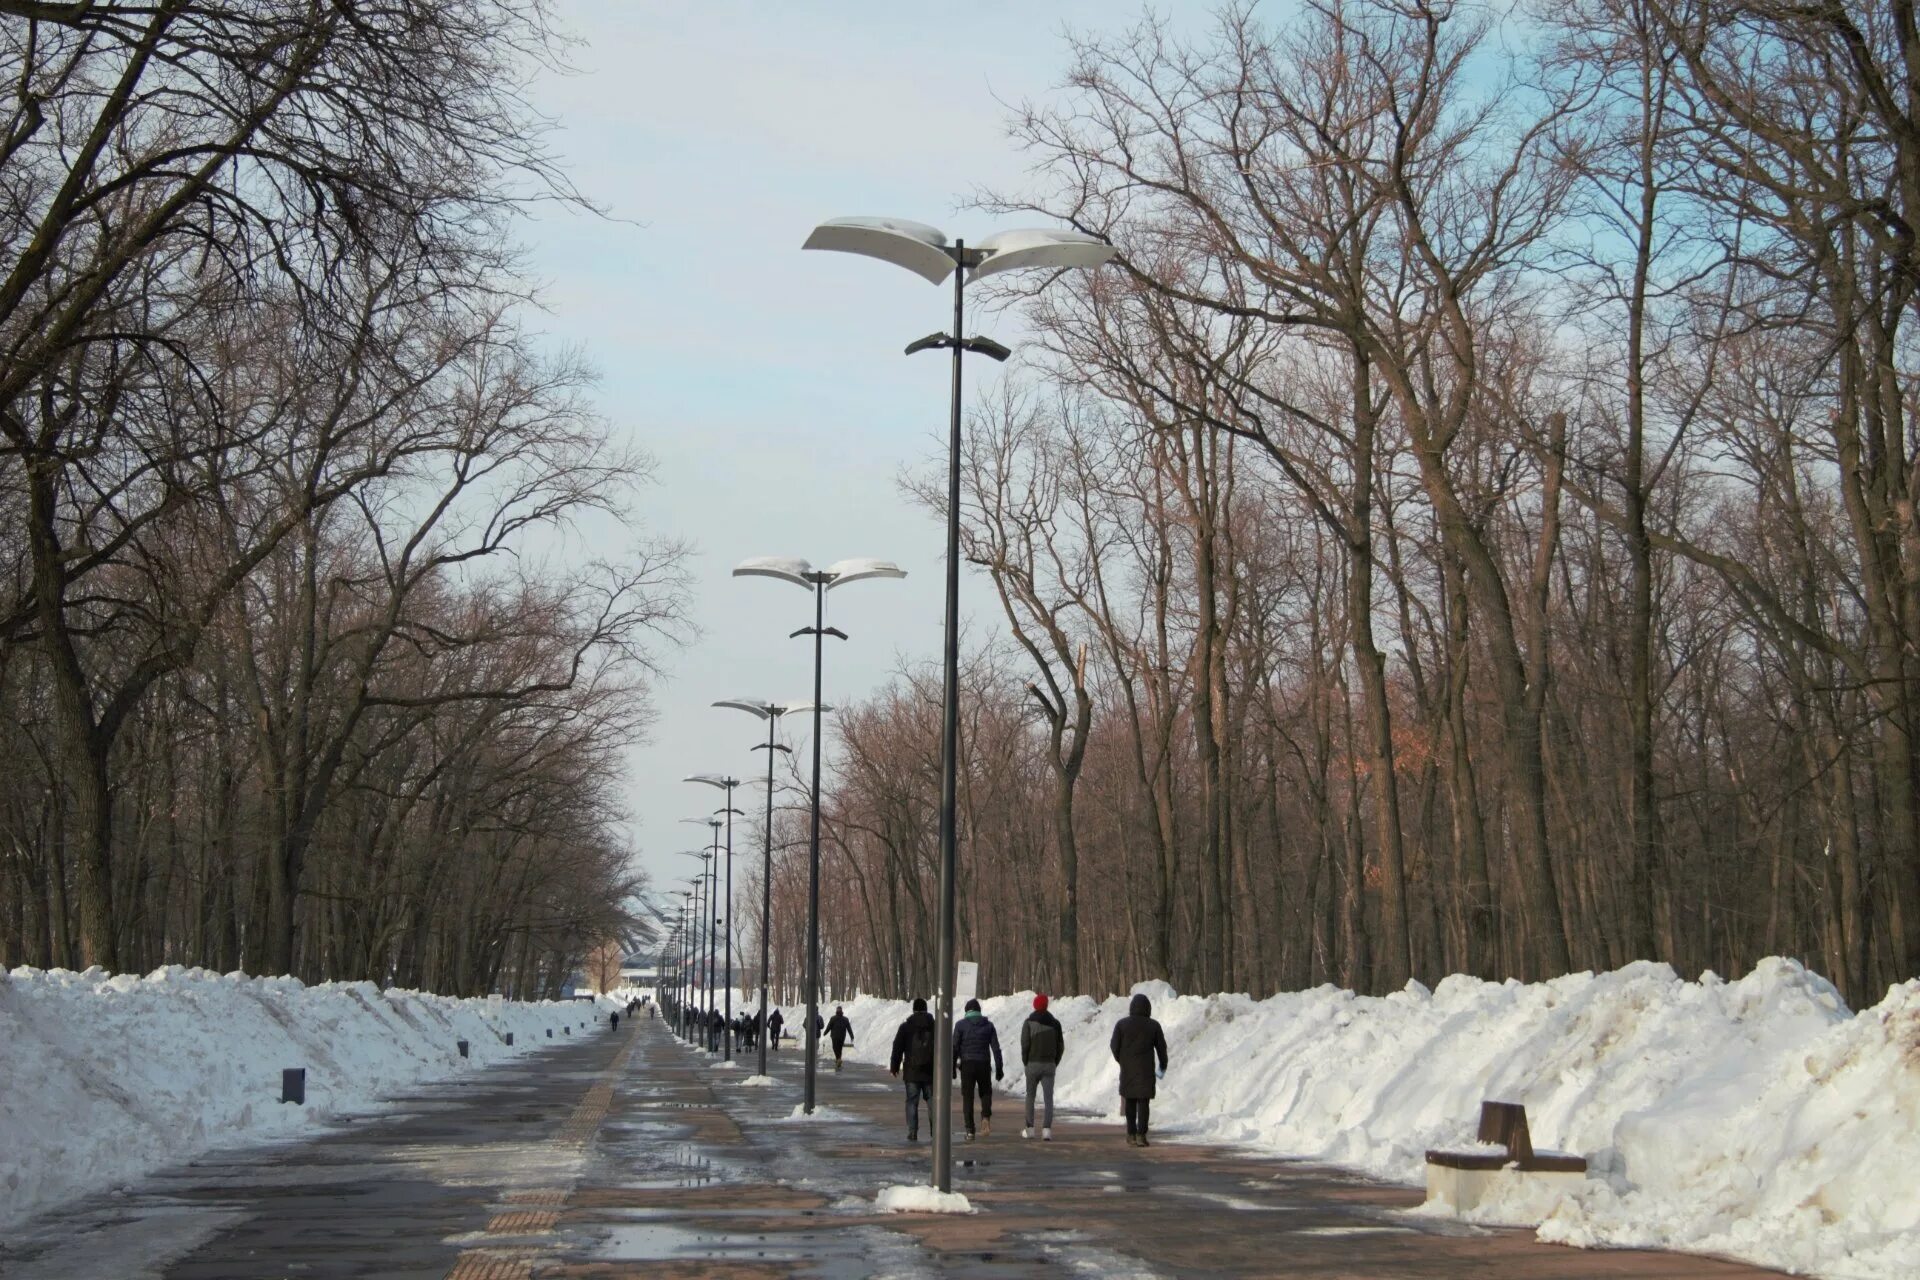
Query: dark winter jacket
<point>1137,1039</point>
<point>912,1058</point>
<point>1042,1041</point>
<point>974,1040</point>
<point>775,1023</point>
<point>839,1030</point>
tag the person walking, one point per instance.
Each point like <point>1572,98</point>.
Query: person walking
<point>840,1033</point>
<point>1137,1040</point>
<point>974,1042</point>
<point>774,1024</point>
<point>614,1019</point>
<point>912,1061</point>
<point>1042,1044</point>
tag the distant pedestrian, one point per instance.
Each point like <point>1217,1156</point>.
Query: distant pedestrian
<point>912,1060</point>
<point>613,1018</point>
<point>975,1042</point>
<point>1137,1041</point>
<point>773,1029</point>
<point>1042,1044</point>
<point>840,1033</point>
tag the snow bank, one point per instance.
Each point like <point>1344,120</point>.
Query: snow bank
<point>103,1078</point>
<point>1757,1118</point>
<point>920,1199</point>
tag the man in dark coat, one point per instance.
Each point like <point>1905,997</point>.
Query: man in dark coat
<point>773,1030</point>
<point>840,1032</point>
<point>1042,1044</point>
<point>1137,1040</point>
<point>912,1061</point>
<point>974,1042</point>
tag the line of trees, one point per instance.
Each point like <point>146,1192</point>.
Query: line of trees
<point>301,670</point>
<point>1471,529</point>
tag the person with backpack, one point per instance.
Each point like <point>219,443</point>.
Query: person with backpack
<point>1042,1044</point>
<point>1137,1040</point>
<point>773,1030</point>
<point>974,1040</point>
<point>840,1033</point>
<point>912,1061</point>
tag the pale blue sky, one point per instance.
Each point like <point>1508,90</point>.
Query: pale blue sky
<point>769,383</point>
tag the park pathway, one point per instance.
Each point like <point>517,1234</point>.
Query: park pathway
<point>630,1155</point>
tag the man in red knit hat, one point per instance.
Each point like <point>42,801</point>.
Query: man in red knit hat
<point>1042,1044</point>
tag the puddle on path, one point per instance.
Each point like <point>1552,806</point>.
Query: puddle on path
<point>660,1241</point>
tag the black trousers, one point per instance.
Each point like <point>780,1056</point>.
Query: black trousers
<point>1137,1113</point>
<point>976,1075</point>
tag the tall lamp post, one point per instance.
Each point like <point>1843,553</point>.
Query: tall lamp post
<point>726,784</point>
<point>771,713</point>
<point>925,251</point>
<point>819,581</point>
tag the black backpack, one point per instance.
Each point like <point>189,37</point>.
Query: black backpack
<point>920,1050</point>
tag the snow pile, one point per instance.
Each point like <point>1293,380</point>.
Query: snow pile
<point>921,1199</point>
<point>1757,1118</point>
<point>103,1078</point>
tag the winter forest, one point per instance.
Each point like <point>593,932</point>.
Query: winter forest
<point>1470,528</point>
<point>1474,532</point>
<point>302,669</point>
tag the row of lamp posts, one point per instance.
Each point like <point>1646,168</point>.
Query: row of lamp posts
<point>926,252</point>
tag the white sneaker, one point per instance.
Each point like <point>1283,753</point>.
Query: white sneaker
<point>1046,1135</point>
<point>1026,1133</point>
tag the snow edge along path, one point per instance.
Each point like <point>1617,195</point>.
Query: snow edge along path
<point>105,1077</point>
<point>1757,1119</point>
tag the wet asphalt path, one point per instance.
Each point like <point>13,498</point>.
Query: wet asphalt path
<point>630,1154</point>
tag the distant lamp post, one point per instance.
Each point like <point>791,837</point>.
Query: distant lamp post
<point>925,251</point>
<point>714,906</point>
<point>771,713</point>
<point>819,581</point>
<point>703,904</point>
<point>726,784</point>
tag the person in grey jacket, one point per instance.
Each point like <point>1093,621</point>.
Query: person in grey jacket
<point>1042,1045</point>
<point>1137,1040</point>
<point>974,1041</point>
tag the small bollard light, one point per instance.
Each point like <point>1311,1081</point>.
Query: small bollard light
<point>549,1033</point>
<point>463,1047</point>
<point>509,1037</point>
<point>293,1085</point>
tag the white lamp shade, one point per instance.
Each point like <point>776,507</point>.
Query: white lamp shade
<point>786,568</point>
<point>845,571</point>
<point>1040,247</point>
<point>712,780</point>
<point>752,706</point>
<point>916,246</point>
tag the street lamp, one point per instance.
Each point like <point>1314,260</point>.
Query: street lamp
<point>771,713</point>
<point>819,581</point>
<point>714,908</point>
<point>925,251</point>
<point>726,784</point>
<point>703,907</point>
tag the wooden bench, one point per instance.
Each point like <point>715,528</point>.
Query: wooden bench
<point>1504,1124</point>
<point>1505,1156</point>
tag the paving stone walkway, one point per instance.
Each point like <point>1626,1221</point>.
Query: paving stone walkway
<point>631,1154</point>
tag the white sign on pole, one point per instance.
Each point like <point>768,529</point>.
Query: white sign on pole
<point>964,988</point>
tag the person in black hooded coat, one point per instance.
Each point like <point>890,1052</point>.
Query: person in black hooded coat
<point>1137,1041</point>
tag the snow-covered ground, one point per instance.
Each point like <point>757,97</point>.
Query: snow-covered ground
<point>104,1078</point>
<point>1759,1118</point>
